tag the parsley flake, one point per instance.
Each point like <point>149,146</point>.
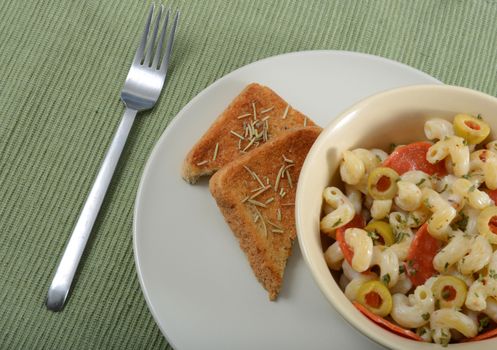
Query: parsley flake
<point>416,220</point>
<point>386,279</point>
<point>444,339</point>
<point>399,236</point>
<point>374,236</point>
<point>411,271</point>
<point>484,321</point>
<point>338,222</point>
<point>462,223</point>
<point>420,182</point>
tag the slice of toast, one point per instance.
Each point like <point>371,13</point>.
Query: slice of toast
<point>256,195</point>
<point>256,115</point>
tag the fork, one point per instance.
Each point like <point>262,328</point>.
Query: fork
<point>141,91</point>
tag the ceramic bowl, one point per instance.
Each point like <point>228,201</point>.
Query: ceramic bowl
<point>395,116</point>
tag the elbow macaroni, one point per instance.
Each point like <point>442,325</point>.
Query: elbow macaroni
<point>485,162</point>
<point>483,288</point>
<point>479,292</point>
<point>343,281</point>
<point>476,198</point>
<point>352,168</point>
<point>380,208</point>
<point>408,196</point>
<point>388,262</point>
<point>417,178</point>
<point>362,245</point>
<point>355,197</point>
<point>348,271</point>
<point>401,249</point>
<point>490,173</point>
<point>454,147</point>
<point>479,254</point>
<point>443,214</point>
<point>453,252</point>
<point>438,129</point>
<point>334,256</point>
<point>409,311</point>
<point>443,320</point>
<point>367,158</point>
<point>343,213</point>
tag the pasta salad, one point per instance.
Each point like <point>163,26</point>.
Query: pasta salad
<point>414,233</point>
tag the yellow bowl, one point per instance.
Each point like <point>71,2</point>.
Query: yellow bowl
<point>395,116</point>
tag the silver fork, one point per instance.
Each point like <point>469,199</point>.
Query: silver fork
<point>141,91</point>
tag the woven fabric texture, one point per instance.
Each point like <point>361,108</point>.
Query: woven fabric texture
<point>62,65</point>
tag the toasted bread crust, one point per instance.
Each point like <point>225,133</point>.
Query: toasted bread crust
<point>200,160</point>
<point>267,249</point>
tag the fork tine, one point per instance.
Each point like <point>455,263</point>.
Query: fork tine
<point>161,41</point>
<point>143,42</point>
<point>169,48</point>
<point>151,44</point>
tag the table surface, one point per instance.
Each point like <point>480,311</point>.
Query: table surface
<point>62,65</point>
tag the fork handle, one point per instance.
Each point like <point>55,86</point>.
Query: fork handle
<point>69,262</point>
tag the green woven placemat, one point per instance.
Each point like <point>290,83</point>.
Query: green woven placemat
<point>62,65</point>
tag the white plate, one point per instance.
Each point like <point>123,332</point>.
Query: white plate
<point>196,280</point>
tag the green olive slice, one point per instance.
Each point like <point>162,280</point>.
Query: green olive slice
<point>450,291</point>
<point>376,297</point>
<point>472,129</point>
<point>383,229</point>
<point>382,183</point>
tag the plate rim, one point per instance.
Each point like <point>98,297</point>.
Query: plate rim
<point>170,127</point>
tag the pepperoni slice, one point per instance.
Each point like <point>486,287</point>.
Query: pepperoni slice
<point>387,324</point>
<point>419,265</point>
<point>348,253</point>
<point>413,157</point>
<point>490,334</point>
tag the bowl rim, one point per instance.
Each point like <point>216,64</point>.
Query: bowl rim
<point>370,332</point>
